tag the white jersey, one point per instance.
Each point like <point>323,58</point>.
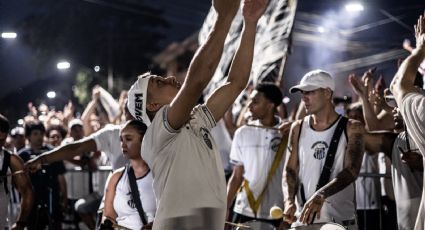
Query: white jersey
<point>368,188</point>
<point>312,151</point>
<point>255,148</point>
<point>189,181</point>
<point>125,206</point>
<point>407,186</point>
<point>412,109</point>
<point>108,141</point>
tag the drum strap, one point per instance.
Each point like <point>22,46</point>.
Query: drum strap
<point>255,203</point>
<point>330,157</point>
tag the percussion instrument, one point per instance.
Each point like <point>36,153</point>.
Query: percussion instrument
<point>320,226</point>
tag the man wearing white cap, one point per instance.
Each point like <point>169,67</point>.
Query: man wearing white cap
<point>325,153</point>
<point>189,181</point>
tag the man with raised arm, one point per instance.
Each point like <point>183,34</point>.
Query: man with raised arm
<point>411,100</point>
<point>189,181</point>
<point>325,191</point>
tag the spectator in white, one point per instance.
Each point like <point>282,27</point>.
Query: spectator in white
<point>121,202</point>
<point>189,180</point>
<point>257,154</point>
<point>325,191</point>
<point>412,102</point>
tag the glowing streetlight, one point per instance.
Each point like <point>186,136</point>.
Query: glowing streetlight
<point>321,29</point>
<point>96,68</point>
<point>354,7</point>
<point>51,94</point>
<point>9,35</point>
<point>63,65</point>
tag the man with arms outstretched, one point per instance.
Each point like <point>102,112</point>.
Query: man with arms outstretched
<point>189,181</point>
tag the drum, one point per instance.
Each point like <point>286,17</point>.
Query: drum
<point>320,226</point>
<point>256,225</point>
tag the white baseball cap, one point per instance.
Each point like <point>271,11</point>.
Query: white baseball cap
<point>314,80</point>
<point>75,122</point>
<point>137,96</point>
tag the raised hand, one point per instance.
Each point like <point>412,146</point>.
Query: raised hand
<point>420,32</point>
<point>252,10</point>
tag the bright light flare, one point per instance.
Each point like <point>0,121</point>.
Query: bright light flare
<point>354,7</point>
<point>96,68</point>
<point>51,94</point>
<point>9,35</point>
<point>321,29</point>
<point>63,65</point>
<point>286,100</point>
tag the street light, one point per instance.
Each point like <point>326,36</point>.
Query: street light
<point>63,65</point>
<point>96,68</point>
<point>9,35</point>
<point>51,94</point>
<point>354,7</point>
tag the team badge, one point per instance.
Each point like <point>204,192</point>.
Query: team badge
<point>320,148</point>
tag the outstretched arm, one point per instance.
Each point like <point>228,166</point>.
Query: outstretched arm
<point>65,152</point>
<point>240,69</point>
<point>203,65</point>
<point>402,83</point>
<point>290,174</point>
<point>352,162</point>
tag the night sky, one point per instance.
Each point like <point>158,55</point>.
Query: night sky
<point>380,28</point>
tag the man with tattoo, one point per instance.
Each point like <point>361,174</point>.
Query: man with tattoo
<point>309,142</point>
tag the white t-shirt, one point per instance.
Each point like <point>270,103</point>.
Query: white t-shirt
<point>255,148</point>
<point>407,186</point>
<point>189,181</point>
<point>367,188</point>
<point>412,109</point>
<point>125,206</point>
<point>108,141</point>
<point>312,151</point>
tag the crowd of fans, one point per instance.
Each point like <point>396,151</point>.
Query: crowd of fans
<point>71,157</point>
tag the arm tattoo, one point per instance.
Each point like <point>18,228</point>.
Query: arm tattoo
<point>354,157</point>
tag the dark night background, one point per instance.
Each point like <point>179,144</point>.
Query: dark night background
<point>125,35</point>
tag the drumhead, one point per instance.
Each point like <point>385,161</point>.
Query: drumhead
<point>257,225</point>
<point>321,226</point>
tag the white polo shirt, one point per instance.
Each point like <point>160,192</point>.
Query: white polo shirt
<point>189,181</point>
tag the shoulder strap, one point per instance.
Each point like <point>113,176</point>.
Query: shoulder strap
<point>255,204</point>
<point>3,172</point>
<point>135,194</point>
<point>330,157</point>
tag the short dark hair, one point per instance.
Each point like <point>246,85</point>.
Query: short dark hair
<point>4,124</point>
<point>271,92</point>
<point>139,125</point>
<point>60,128</point>
<point>34,125</point>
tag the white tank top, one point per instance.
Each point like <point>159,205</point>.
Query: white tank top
<point>124,205</point>
<point>313,146</point>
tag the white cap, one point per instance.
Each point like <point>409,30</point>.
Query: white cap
<point>74,122</point>
<point>137,96</point>
<point>314,80</point>
<point>17,131</point>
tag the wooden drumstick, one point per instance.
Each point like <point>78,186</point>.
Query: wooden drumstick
<point>238,225</point>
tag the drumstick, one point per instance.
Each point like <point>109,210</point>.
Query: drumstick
<point>238,225</point>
